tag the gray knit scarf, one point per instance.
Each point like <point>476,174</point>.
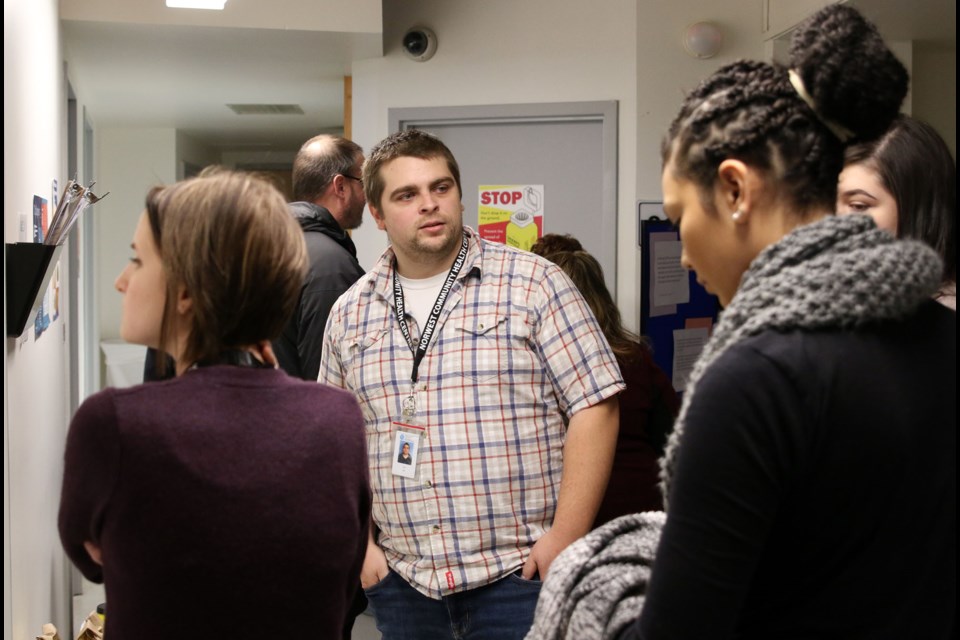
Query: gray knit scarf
<point>839,272</point>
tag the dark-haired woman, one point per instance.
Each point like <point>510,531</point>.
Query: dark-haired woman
<point>648,405</point>
<point>811,475</point>
<point>552,243</point>
<point>209,504</point>
<point>906,180</point>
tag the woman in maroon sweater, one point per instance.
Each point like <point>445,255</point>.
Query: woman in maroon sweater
<point>648,406</point>
<point>231,501</point>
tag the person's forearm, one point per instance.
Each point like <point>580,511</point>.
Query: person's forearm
<point>587,460</point>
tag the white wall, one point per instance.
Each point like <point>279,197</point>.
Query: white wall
<point>499,51</point>
<point>35,390</point>
<point>665,73</point>
<point>274,157</point>
<point>935,89</point>
<point>129,162</point>
<point>189,150</point>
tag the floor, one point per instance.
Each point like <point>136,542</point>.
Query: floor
<point>365,628</point>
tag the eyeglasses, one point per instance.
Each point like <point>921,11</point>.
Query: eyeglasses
<point>347,175</point>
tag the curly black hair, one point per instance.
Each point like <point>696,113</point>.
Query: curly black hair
<point>750,110</point>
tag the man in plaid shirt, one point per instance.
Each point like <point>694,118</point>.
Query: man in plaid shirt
<point>486,365</point>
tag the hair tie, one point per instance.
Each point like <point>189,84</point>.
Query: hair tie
<point>840,131</point>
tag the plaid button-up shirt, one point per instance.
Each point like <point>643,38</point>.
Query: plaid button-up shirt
<point>515,354</point>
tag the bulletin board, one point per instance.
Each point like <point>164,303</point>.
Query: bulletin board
<point>676,313</point>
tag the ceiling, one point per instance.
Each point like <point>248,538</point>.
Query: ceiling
<point>173,75</point>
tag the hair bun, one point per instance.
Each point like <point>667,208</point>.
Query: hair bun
<point>849,71</point>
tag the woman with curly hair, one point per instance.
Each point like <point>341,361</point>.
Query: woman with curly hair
<point>810,480</point>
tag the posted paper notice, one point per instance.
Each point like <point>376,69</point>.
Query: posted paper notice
<point>687,345</point>
<point>671,282</point>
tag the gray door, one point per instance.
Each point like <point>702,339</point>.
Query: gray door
<point>570,148</point>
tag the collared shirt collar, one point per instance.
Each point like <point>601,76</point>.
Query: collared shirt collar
<point>382,283</point>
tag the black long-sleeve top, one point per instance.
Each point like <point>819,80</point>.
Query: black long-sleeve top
<point>815,490</point>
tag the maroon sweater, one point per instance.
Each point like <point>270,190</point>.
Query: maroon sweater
<point>648,407</point>
<point>230,502</point>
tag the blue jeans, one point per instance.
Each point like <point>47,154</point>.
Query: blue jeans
<point>502,610</point>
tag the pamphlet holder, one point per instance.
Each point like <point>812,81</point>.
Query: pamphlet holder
<point>30,266</point>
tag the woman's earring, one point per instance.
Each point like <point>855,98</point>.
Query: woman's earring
<point>736,215</point>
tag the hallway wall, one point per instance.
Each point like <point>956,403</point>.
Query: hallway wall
<point>131,160</point>
<point>498,51</point>
<point>490,52</point>
<point>35,372</point>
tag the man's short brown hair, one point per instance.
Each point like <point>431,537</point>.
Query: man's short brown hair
<point>411,143</point>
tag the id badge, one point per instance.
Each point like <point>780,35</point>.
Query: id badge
<point>407,441</point>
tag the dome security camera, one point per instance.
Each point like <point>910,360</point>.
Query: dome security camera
<point>419,43</point>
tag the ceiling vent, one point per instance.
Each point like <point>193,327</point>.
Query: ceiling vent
<point>266,109</point>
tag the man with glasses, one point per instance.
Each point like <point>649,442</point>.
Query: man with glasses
<point>329,201</point>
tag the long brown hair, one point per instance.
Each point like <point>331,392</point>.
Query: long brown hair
<point>587,274</point>
<point>226,239</point>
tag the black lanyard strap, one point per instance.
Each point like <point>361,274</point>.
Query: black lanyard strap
<point>431,324</point>
<point>234,357</point>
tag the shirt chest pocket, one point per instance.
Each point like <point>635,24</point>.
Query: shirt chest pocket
<point>373,363</point>
<point>492,345</point>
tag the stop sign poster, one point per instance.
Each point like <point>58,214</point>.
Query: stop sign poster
<point>511,214</point>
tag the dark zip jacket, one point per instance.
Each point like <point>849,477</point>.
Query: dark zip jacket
<point>333,269</point>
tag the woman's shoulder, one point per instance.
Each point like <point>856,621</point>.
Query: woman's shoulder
<point>317,389</point>
<point>331,402</point>
<point>806,359</point>
<point>95,426</point>
<point>104,403</point>
<point>772,363</point>
<point>255,378</point>
<point>929,323</point>
<point>96,407</point>
<point>762,359</point>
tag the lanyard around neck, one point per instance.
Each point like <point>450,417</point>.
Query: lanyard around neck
<point>234,357</point>
<point>431,324</point>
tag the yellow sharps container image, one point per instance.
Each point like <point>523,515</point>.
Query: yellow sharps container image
<point>521,230</point>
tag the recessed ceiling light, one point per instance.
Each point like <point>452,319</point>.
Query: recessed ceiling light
<point>216,5</point>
